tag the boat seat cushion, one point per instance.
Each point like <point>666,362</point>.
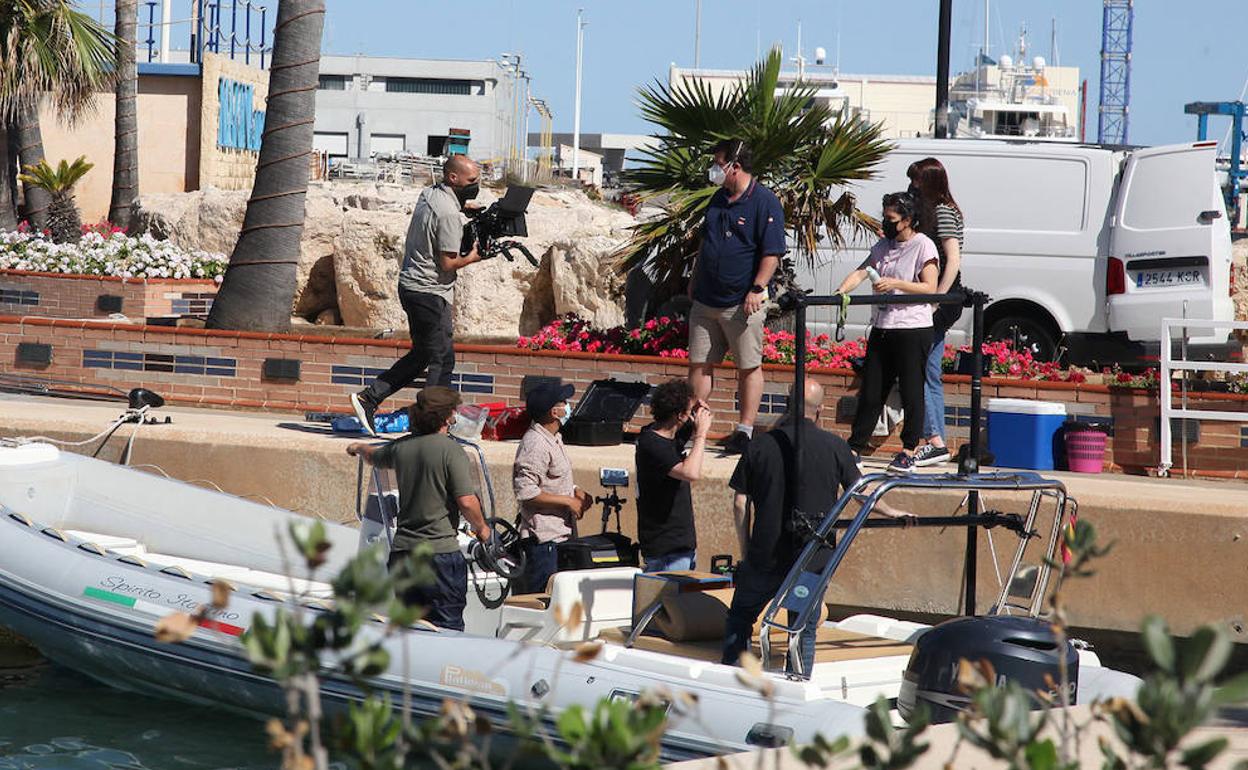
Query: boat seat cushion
<point>529,601</point>
<point>693,617</point>
<point>701,616</point>
<point>831,645</point>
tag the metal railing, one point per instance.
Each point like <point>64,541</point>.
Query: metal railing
<point>1169,365</point>
<point>238,29</point>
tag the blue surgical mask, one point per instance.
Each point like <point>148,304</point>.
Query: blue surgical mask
<point>567,414</point>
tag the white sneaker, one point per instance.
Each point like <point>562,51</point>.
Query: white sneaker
<point>930,454</point>
<point>363,414</point>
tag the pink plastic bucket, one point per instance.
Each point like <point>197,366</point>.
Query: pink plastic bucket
<point>1085,450</point>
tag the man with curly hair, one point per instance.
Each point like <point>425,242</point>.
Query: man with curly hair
<point>665,524</point>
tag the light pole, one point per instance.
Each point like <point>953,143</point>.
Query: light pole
<point>942,69</point>
<point>576,117</point>
<point>697,36</point>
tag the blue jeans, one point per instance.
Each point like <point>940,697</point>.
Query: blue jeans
<point>446,597</point>
<point>540,562</point>
<point>753,589</point>
<point>934,390</point>
<point>680,560</point>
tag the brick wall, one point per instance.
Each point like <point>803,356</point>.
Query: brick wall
<point>59,295</point>
<point>221,368</point>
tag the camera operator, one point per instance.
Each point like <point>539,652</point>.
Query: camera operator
<point>665,526</point>
<point>431,257</point>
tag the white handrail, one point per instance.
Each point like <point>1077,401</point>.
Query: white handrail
<point>1170,365</point>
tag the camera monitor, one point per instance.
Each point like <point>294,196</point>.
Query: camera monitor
<point>516,199</point>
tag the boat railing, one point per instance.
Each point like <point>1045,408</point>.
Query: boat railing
<point>802,591</point>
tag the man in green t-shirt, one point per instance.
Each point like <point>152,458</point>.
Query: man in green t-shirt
<point>435,488</point>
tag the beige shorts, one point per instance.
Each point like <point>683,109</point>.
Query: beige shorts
<point>714,331</point>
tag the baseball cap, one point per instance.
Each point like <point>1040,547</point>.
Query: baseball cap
<point>438,399</point>
<point>543,397</point>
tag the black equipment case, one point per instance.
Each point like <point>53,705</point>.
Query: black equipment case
<point>606,549</point>
<point>609,549</point>
<point>601,413</point>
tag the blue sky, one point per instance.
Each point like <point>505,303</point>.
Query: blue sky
<point>1185,50</point>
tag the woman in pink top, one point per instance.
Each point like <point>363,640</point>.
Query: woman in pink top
<point>904,261</point>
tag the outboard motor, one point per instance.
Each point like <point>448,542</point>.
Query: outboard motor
<point>1022,650</point>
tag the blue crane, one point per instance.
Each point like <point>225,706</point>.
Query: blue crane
<point>1237,173</point>
<point>1116,23</point>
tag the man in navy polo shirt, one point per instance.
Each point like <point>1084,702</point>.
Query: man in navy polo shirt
<point>742,242</point>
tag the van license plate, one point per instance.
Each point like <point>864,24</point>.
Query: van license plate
<point>1150,279</point>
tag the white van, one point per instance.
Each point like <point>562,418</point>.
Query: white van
<point>1079,247</point>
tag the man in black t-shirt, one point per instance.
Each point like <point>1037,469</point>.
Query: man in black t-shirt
<point>763,474</point>
<point>664,501</point>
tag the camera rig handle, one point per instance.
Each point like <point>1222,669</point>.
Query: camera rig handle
<point>504,249</point>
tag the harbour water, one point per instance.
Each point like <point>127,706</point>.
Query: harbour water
<point>54,719</point>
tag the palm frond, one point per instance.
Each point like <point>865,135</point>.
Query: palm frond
<point>49,47</point>
<point>59,179</point>
<point>803,151</point>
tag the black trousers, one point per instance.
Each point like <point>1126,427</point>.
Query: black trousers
<point>429,322</point>
<point>893,356</point>
<point>444,600</point>
<point>753,590</point>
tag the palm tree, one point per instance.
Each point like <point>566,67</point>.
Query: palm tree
<point>803,151</point>
<point>259,285</point>
<point>64,221</point>
<point>30,153</point>
<point>48,49</point>
<point>126,121</point>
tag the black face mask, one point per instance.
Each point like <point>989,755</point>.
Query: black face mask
<point>467,192</point>
<point>913,191</point>
<point>890,229</point>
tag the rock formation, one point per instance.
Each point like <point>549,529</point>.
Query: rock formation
<point>353,247</point>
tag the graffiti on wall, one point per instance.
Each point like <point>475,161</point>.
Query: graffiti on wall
<point>239,124</point>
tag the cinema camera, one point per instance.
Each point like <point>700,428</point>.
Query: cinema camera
<point>491,228</point>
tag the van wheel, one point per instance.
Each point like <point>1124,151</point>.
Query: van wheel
<point>1026,333</point>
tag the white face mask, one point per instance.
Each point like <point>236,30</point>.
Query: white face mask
<point>716,174</point>
<point>567,414</point>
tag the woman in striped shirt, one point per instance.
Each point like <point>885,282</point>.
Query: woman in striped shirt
<point>941,220</point>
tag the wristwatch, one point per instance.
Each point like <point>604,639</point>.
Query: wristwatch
<point>756,289</point>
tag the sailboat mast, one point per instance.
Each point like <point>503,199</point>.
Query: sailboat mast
<point>987,11</point>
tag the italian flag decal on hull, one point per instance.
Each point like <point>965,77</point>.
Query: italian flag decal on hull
<point>150,608</point>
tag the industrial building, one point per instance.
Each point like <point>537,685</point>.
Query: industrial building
<point>372,105</point>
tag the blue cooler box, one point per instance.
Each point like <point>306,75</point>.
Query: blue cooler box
<point>1024,433</point>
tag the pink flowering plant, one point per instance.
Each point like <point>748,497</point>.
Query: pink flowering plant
<point>668,337</point>
<point>665,337</point>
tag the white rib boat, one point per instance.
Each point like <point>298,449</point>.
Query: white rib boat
<point>93,554</point>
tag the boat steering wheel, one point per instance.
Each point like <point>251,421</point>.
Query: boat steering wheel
<point>503,554</point>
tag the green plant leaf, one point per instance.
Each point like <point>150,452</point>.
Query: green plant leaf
<point>1233,691</point>
<point>1198,757</point>
<point>1156,639</point>
<point>1205,654</point>
<point>1041,755</point>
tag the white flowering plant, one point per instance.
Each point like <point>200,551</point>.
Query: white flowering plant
<point>114,253</point>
